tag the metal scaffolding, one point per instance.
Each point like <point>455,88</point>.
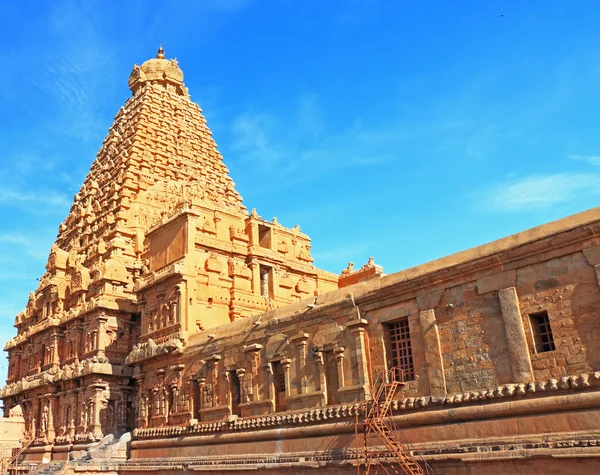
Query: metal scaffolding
<point>397,456</point>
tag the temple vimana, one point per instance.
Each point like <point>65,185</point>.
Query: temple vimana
<point>176,331</point>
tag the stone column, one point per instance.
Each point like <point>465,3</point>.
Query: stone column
<point>285,364</point>
<point>244,390</point>
<point>175,393</point>
<point>81,409</point>
<point>50,430</point>
<point>97,407</point>
<point>101,335</point>
<point>55,360</point>
<point>339,356</point>
<point>433,353</point>
<point>78,332</point>
<point>227,388</point>
<point>270,384</point>
<point>72,401</point>
<point>255,268</point>
<point>357,329</point>
<point>190,399</point>
<point>516,342</point>
<point>201,384</point>
<point>35,417</point>
<point>142,420</point>
<point>301,362</point>
<point>253,352</point>
<point>321,370</point>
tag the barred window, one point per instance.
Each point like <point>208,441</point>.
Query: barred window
<point>542,332</point>
<point>281,383</point>
<point>401,348</point>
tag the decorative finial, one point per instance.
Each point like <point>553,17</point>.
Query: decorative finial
<point>161,52</point>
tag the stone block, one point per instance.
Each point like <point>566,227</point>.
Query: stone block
<point>497,282</point>
<point>592,255</point>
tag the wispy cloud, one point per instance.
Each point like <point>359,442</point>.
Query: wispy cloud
<point>539,191</point>
<point>591,159</point>
<point>79,64</point>
<point>34,247</point>
<point>297,147</point>
<point>40,201</point>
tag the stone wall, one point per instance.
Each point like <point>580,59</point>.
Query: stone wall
<point>482,384</point>
<point>11,434</point>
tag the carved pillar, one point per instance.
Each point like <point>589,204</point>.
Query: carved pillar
<point>213,374</point>
<point>81,410</point>
<point>201,384</point>
<point>190,398</point>
<point>433,353</point>
<point>270,384</point>
<point>78,332</point>
<point>155,402</point>
<point>101,334</point>
<point>165,404</point>
<point>63,407</point>
<point>72,401</point>
<point>357,329</point>
<point>339,357</point>
<point>142,420</point>
<point>227,388</point>
<point>177,305</point>
<point>255,268</point>
<point>253,352</point>
<point>301,362</point>
<point>55,360</point>
<point>285,364</point>
<point>516,342</point>
<point>320,361</point>
<point>50,429</point>
<point>175,393</point>
<point>244,389</point>
<point>97,403</point>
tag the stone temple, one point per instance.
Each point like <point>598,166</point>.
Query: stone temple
<point>173,330</point>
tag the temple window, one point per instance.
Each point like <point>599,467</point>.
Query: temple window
<point>264,236</point>
<point>236,392</point>
<point>42,355</point>
<point>542,332</point>
<point>400,348</point>
<point>279,383</point>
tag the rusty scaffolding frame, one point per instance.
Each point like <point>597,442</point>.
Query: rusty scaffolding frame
<point>11,464</point>
<point>397,455</point>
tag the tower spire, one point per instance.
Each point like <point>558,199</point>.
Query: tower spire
<point>161,52</point>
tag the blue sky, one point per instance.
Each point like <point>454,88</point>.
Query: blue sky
<point>400,130</point>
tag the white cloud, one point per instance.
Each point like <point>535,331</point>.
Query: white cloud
<point>295,147</point>
<point>35,202</point>
<point>591,159</point>
<point>36,248</point>
<point>540,191</point>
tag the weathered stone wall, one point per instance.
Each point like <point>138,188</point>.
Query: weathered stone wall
<point>481,385</point>
<point>11,433</point>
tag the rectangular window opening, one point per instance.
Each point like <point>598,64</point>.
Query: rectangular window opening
<point>401,348</point>
<point>542,332</point>
<point>264,236</point>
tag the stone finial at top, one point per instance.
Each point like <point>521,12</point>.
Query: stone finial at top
<point>158,71</point>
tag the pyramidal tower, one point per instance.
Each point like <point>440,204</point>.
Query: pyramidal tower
<point>157,247</point>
